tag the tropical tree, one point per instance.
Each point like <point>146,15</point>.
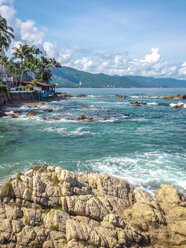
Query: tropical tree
<point>23,52</point>
<point>6,36</point>
<point>14,69</point>
<point>54,64</point>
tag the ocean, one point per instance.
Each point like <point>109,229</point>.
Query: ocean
<point>146,148</point>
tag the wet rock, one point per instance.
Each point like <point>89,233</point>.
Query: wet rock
<point>178,106</point>
<point>62,95</point>
<point>2,113</point>
<point>127,115</point>
<point>13,116</point>
<point>31,113</point>
<point>175,97</point>
<point>48,110</point>
<point>78,95</point>
<point>85,118</point>
<point>85,106</point>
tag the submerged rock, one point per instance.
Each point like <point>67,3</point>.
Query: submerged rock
<point>48,110</point>
<point>85,106</point>
<point>31,113</point>
<point>52,207</point>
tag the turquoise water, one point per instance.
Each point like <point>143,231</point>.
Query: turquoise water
<point>147,148</point>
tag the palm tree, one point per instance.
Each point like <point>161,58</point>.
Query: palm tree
<point>14,69</point>
<point>54,64</point>
<point>6,36</point>
<point>22,52</point>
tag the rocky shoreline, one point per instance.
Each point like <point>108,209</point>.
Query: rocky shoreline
<point>52,208</point>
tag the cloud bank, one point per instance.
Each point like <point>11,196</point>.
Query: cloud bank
<point>112,63</point>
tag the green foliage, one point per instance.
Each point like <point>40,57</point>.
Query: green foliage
<point>22,87</point>
<point>19,176</point>
<point>30,87</point>
<point>65,242</point>
<point>7,190</point>
<point>55,180</point>
<point>3,88</point>
<point>27,221</point>
<point>53,228</point>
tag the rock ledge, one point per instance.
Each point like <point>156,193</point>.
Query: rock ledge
<point>52,208</point>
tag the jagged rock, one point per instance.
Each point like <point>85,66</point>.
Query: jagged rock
<point>31,113</point>
<point>51,207</point>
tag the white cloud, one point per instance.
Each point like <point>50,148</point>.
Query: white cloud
<point>113,63</point>
<point>51,50</point>
<point>24,31</point>
<point>182,70</point>
<point>153,57</point>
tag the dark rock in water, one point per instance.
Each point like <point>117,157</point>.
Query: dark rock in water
<point>84,118</point>
<point>44,118</point>
<point>175,97</point>
<point>118,96</point>
<point>62,95</point>
<point>51,207</point>
<point>183,97</point>
<point>85,106</point>
<point>127,115</point>
<point>31,113</point>
<point>106,118</point>
<point>2,113</point>
<point>78,95</point>
<point>55,118</point>
<point>178,106</point>
<point>81,117</point>
<point>13,116</point>
<point>135,103</point>
<point>48,110</point>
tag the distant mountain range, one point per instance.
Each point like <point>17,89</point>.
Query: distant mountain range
<point>71,78</point>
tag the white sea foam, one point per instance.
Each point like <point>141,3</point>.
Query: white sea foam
<point>65,132</point>
<point>152,103</point>
<point>147,170</point>
<point>178,104</point>
<point>136,96</point>
<point>24,108</point>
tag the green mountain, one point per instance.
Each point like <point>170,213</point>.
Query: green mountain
<point>71,78</point>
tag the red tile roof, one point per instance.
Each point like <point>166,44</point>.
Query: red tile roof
<point>44,84</point>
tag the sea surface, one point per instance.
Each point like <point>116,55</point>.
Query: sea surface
<point>147,148</point>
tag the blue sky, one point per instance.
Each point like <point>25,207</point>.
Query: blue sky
<point>137,37</point>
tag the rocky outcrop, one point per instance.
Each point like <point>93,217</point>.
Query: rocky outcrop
<point>31,113</point>
<point>175,97</point>
<point>135,103</point>
<point>52,208</point>
<point>85,118</point>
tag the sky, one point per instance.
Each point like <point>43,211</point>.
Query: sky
<point>115,37</point>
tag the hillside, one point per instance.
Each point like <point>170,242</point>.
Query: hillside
<point>71,78</point>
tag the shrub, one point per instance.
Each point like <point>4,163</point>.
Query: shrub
<point>7,190</point>
<point>30,87</point>
<point>19,176</point>
<point>53,228</point>
<point>22,87</point>
<point>55,180</point>
<point>3,88</point>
